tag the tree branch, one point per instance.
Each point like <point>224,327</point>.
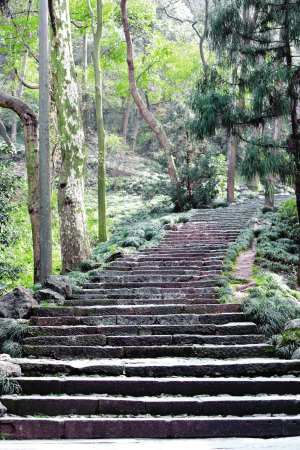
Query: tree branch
<point>23,82</point>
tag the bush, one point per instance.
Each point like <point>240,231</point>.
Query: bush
<point>12,338</point>
<point>9,386</point>
<point>271,305</point>
<point>289,219</point>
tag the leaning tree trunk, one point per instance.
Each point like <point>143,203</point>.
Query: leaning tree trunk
<point>31,141</point>
<point>147,115</point>
<point>75,246</point>
<point>5,136</point>
<point>97,35</point>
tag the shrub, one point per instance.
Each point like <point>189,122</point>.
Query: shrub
<point>12,338</point>
<point>271,306</point>
<point>289,219</point>
<point>9,386</point>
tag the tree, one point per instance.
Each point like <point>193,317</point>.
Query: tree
<point>75,245</point>
<point>97,34</point>
<point>31,141</point>
<point>147,115</point>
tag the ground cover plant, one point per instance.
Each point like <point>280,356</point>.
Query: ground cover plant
<point>274,299</point>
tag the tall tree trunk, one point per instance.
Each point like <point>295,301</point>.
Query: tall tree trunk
<point>139,118</point>
<point>269,191</point>
<point>84,87</point>
<point>5,136</point>
<point>75,246</point>
<point>234,142</point>
<point>147,115</point>
<point>125,128</point>
<point>31,142</point>
<point>97,35</point>
<point>19,95</point>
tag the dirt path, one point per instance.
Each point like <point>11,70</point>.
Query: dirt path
<point>244,271</point>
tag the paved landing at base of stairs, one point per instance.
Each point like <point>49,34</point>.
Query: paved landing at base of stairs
<point>289,443</point>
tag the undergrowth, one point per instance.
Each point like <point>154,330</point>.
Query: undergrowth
<point>9,386</point>
<point>12,337</point>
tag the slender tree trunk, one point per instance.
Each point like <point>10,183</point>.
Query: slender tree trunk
<point>269,192</point>
<point>19,95</point>
<point>97,35</point>
<point>84,87</point>
<point>139,118</point>
<point>147,115</point>
<point>125,128</point>
<point>75,246</point>
<point>31,142</point>
<point>231,168</point>
<point>5,136</point>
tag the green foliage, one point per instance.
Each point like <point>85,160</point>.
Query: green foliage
<point>12,338</point>
<point>9,386</point>
<point>271,304</point>
<point>289,219</point>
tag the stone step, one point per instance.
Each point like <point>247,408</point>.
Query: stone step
<point>170,406</point>
<point>177,427</point>
<point>195,351</point>
<point>126,284</point>
<point>235,328</point>
<point>174,319</point>
<point>158,278</point>
<point>86,301</point>
<point>90,340</point>
<point>45,311</point>
<point>166,367</point>
<point>139,387</point>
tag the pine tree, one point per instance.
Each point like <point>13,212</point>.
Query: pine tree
<point>266,34</point>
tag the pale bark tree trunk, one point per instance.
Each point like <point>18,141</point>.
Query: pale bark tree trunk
<point>19,95</point>
<point>234,142</point>
<point>97,35</point>
<point>269,194</point>
<point>31,142</point>
<point>139,118</point>
<point>5,136</point>
<point>75,246</point>
<point>84,87</point>
<point>125,128</point>
<point>147,115</point>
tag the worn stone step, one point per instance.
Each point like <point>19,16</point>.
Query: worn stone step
<point>45,311</point>
<point>125,284</point>
<point>139,387</point>
<point>148,296</point>
<point>125,265</point>
<point>170,406</point>
<point>166,367</point>
<point>109,278</point>
<point>90,340</point>
<point>196,427</point>
<point>174,319</point>
<point>195,351</point>
<point>238,328</point>
<point>86,301</point>
<point>154,292</point>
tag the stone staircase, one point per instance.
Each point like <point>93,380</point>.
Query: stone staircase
<point>146,350</point>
